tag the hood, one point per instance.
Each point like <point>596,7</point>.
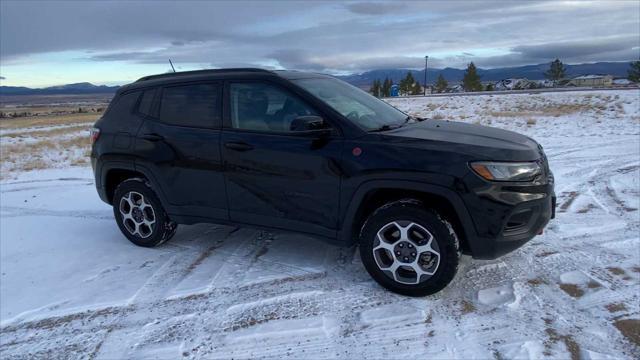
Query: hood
<point>481,142</point>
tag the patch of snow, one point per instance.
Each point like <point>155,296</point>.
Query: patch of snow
<point>496,296</point>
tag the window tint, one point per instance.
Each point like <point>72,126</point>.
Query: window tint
<point>260,106</point>
<point>124,104</point>
<point>146,101</point>
<point>195,105</point>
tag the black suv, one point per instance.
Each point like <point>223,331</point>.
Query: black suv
<point>309,153</point>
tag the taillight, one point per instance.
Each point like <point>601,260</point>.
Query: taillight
<point>95,134</point>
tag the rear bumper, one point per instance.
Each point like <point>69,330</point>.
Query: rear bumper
<point>97,174</point>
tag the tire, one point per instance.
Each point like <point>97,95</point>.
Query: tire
<point>147,226</point>
<point>407,236</point>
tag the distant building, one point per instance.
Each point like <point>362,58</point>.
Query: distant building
<point>455,89</point>
<point>515,84</point>
<point>622,82</point>
<point>592,80</point>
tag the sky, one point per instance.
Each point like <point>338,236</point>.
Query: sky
<point>115,42</point>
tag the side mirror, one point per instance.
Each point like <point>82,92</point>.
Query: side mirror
<point>308,123</point>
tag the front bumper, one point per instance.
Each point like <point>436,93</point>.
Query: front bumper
<point>507,215</point>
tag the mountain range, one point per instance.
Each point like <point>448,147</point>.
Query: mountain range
<point>365,79</point>
<point>531,72</point>
<point>69,89</point>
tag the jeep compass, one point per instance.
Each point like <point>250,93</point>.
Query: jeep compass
<point>309,153</point>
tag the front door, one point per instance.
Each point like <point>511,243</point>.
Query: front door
<point>275,176</point>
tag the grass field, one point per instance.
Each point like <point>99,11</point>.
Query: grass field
<point>40,142</point>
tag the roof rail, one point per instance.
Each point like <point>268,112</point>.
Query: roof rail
<point>196,72</point>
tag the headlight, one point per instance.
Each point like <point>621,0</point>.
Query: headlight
<point>507,171</point>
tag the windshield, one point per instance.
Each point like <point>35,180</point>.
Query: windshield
<point>367,111</point>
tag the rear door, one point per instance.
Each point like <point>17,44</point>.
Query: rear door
<point>179,144</point>
<point>275,176</point>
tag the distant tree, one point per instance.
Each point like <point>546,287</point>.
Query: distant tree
<point>386,87</point>
<point>441,84</point>
<point>634,72</point>
<point>376,88</point>
<point>489,87</point>
<point>557,70</point>
<point>471,79</point>
<point>416,89</point>
<point>406,84</point>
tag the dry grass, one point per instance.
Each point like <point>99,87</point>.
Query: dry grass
<point>37,155</point>
<point>40,121</point>
<point>60,131</point>
<point>572,289</point>
<point>546,109</point>
<point>467,307</point>
<point>630,329</point>
<point>572,346</point>
<point>616,270</point>
<point>616,307</point>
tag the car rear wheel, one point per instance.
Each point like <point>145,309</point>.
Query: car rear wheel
<point>139,214</point>
<point>409,249</point>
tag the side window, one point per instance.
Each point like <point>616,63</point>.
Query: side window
<point>146,102</point>
<point>264,107</point>
<point>124,104</point>
<point>196,105</point>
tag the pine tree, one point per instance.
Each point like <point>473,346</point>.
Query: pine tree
<point>406,84</point>
<point>386,87</point>
<point>375,88</point>
<point>416,89</point>
<point>441,84</point>
<point>489,87</point>
<point>634,72</point>
<point>557,70</point>
<point>471,79</point>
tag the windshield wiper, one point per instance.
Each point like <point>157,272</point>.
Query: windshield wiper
<point>386,127</point>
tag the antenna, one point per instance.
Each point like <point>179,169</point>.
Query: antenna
<point>174,69</point>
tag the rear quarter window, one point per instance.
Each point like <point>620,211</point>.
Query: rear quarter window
<point>146,102</point>
<point>123,105</point>
<point>193,105</point>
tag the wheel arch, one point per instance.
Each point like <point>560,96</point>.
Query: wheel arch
<point>115,172</point>
<point>373,194</point>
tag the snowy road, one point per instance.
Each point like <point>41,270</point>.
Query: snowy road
<point>73,286</point>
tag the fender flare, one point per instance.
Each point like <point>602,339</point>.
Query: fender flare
<point>106,165</point>
<point>346,231</point>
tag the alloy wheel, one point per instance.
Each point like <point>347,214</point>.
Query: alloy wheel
<point>406,252</point>
<point>138,215</point>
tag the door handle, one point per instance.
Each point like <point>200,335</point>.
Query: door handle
<point>238,146</point>
<point>152,137</point>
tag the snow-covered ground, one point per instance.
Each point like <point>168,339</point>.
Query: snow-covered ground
<point>72,286</point>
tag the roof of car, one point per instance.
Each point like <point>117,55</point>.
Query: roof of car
<point>160,79</point>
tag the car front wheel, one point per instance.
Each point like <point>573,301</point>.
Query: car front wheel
<point>409,249</point>
<point>139,214</point>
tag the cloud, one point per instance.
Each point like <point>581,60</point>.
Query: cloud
<point>2,78</point>
<point>580,48</point>
<point>319,36</point>
<point>375,8</point>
